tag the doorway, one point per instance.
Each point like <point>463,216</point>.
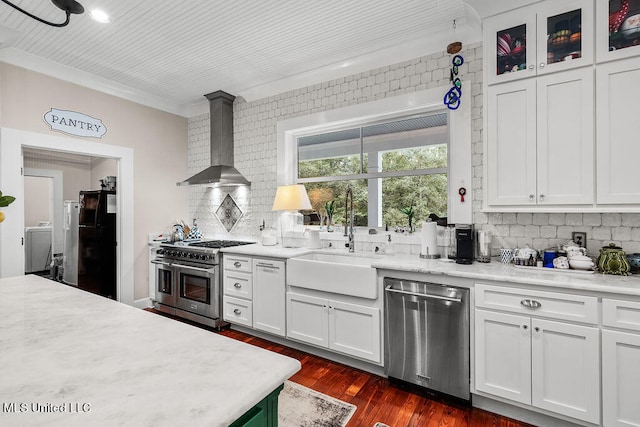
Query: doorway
<point>12,143</point>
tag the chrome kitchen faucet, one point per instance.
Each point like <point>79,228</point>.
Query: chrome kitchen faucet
<point>348,218</point>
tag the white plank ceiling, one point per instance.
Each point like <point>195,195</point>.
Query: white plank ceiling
<point>179,50</point>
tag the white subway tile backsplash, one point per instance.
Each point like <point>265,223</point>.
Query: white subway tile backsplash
<point>256,153</point>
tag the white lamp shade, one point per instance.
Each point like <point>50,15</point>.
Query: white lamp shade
<point>291,198</point>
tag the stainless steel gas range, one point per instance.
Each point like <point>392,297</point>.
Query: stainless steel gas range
<point>188,280</point>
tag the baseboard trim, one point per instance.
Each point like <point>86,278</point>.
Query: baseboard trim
<point>334,357</point>
<point>524,414</point>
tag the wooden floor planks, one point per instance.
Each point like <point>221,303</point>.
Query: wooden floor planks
<point>376,398</point>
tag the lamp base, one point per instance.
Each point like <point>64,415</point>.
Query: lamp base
<point>291,226</point>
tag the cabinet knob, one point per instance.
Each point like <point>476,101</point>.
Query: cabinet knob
<point>531,67</point>
<point>525,327</point>
<point>542,65</point>
<point>237,264</point>
<point>237,311</point>
<point>532,198</point>
<point>537,329</point>
<point>237,285</point>
<point>541,197</point>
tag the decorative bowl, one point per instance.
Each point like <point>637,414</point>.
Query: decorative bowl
<point>581,262</point>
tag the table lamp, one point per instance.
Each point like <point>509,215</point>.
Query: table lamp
<point>290,199</point>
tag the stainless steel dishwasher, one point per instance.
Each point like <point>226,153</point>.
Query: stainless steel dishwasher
<point>427,335</point>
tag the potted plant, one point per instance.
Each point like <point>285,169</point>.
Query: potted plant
<point>4,202</point>
<point>408,211</point>
<point>330,208</point>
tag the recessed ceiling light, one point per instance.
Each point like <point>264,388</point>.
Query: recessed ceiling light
<point>100,16</point>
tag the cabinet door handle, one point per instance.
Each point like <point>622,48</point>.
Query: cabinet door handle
<point>531,67</point>
<point>237,285</point>
<point>237,264</point>
<point>525,327</point>
<point>541,197</point>
<point>532,198</point>
<point>537,329</point>
<point>529,303</point>
<point>237,311</point>
<point>542,65</point>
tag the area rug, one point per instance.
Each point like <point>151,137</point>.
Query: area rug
<point>299,406</point>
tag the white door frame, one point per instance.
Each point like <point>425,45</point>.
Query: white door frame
<point>57,210</point>
<point>11,182</point>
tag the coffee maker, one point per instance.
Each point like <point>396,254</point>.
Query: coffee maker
<point>465,244</point>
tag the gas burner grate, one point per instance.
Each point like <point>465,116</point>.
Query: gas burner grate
<point>217,244</point>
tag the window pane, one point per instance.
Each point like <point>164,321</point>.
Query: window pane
<point>323,192</point>
<point>432,156</point>
<point>427,194</point>
<point>329,154</point>
<point>412,139</point>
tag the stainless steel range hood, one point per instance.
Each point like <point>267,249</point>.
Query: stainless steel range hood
<point>221,172</point>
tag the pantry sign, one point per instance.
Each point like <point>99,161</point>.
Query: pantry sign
<point>74,123</point>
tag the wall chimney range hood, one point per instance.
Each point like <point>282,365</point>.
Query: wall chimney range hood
<point>221,172</point>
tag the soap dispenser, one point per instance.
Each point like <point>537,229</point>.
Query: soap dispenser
<point>388,246</point>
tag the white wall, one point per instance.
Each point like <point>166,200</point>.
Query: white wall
<point>256,135</point>
<point>157,140</point>
<point>38,207</point>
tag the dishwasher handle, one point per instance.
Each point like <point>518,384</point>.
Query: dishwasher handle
<point>389,288</point>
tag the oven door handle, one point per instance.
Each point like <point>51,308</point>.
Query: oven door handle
<point>188,267</point>
<point>168,264</point>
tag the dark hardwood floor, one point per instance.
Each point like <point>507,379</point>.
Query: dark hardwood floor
<point>377,399</point>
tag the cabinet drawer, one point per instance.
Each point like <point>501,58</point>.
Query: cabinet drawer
<point>237,263</point>
<point>553,305</point>
<point>621,314</point>
<point>238,311</point>
<point>238,284</point>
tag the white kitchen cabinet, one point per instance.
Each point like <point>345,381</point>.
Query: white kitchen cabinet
<point>347,328</point>
<point>503,355</point>
<point>354,330</point>
<point>565,364</point>
<point>624,39</point>
<point>620,361</point>
<point>254,293</point>
<point>269,296</point>
<point>540,141</point>
<point>617,92</point>
<point>546,363</point>
<point>545,37</point>
<point>307,319</point>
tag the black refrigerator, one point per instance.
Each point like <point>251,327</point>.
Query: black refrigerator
<point>97,242</point>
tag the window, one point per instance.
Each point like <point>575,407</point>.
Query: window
<point>389,165</point>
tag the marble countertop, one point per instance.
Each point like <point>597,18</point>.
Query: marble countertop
<point>492,271</point>
<point>107,363</point>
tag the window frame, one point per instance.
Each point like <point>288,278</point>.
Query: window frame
<point>462,129</point>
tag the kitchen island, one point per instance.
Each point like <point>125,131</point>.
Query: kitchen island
<point>68,357</point>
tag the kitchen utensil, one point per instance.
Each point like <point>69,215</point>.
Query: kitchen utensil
<point>572,250</point>
<point>634,262</point>
<point>506,255</point>
<point>613,260</point>
<point>269,236</point>
<point>483,250</point>
<point>561,262</point>
<point>581,262</point>
<point>548,257</point>
<point>313,239</point>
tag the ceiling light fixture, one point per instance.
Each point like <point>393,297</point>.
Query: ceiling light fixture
<point>100,16</point>
<point>69,7</point>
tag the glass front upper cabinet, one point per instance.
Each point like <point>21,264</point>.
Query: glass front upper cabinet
<point>542,38</point>
<point>618,29</point>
